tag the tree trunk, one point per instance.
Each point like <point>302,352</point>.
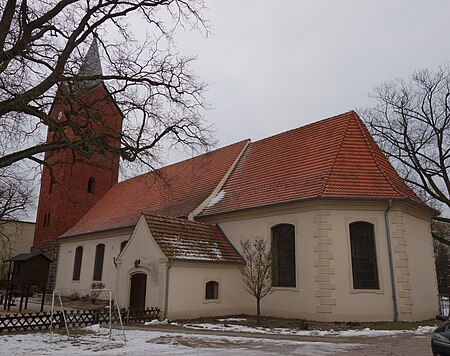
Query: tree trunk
<point>258,311</point>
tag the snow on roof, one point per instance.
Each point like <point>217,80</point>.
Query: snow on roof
<point>185,240</point>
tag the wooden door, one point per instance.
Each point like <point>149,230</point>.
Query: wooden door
<point>137,291</point>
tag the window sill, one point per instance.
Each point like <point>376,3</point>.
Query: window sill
<point>214,301</point>
<point>288,289</point>
<point>367,291</point>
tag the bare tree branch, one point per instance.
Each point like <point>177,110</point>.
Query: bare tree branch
<point>411,122</point>
<point>257,272</point>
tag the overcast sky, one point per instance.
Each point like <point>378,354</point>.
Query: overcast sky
<point>278,65</point>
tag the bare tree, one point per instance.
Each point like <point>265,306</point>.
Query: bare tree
<point>411,122</point>
<point>42,43</point>
<point>441,231</point>
<point>257,271</point>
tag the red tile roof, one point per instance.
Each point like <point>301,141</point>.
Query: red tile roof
<point>332,158</point>
<point>185,240</point>
<point>174,190</point>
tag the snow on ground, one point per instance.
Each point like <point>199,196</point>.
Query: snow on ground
<point>160,343</point>
<point>281,331</point>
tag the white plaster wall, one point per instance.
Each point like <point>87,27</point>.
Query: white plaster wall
<point>64,281</point>
<point>424,290</point>
<point>187,291</point>
<point>142,247</point>
<point>324,288</point>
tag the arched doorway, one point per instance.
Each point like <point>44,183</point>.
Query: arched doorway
<point>138,288</point>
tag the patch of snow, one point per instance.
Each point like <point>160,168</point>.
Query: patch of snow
<point>232,319</point>
<point>185,250</point>
<point>282,331</point>
<point>216,199</point>
<point>94,328</point>
<point>157,322</point>
<point>149,342</point>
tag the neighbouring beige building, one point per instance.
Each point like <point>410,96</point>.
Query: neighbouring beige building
<point>350,240</point>
<point>16,237</point>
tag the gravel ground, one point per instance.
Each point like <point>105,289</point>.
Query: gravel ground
<point>394,345</point>
<point>403,344</point>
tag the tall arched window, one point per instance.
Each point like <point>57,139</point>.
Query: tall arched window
<point>364,256</point>
<point>77,263</point>
<point>98,264</point>
<point>283,254</point>
<point>212,290</point>
<point>91,185</point>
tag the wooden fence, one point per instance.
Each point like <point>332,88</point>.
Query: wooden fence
<point>74,318</point>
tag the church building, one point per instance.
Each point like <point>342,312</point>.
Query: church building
<point>350,240</point>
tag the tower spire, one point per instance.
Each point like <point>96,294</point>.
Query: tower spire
<point>91,66</point>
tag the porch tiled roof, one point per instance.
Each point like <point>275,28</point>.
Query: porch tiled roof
<point>332,158</point>
<point>174,190</point>
<point>186,240</point>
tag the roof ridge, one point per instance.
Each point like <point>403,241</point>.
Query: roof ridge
<point>325,183</point>
<point>304,126</point>
<point>359,122</point>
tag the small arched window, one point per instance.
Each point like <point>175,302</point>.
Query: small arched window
<point>122,245</point>
<point>98,264</point>
<point>212,290</point>
<point>77,263</point>
<point>91,185</point>
<point>364,256</point>
<point>283,254</point>
<point>45,220</point>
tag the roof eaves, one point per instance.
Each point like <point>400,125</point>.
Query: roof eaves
<point>291,202</point>
<point>64,236</point>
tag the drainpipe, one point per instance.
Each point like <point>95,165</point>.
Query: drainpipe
<point>166,297</point>
<point>391,261</point>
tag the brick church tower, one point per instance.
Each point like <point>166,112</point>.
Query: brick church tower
<point>75,183</point>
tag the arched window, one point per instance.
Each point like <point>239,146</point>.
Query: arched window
<point>91,185</point>
<point>98,264</point>
<point>122,245</point>
<point>364,256</point>
<point>77,263</point>
<point>283,254</point>
<point>45,220</point>
<point>212,290</point>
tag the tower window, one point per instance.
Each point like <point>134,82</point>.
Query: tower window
<point>46,219</point>
<point>91,185</point>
